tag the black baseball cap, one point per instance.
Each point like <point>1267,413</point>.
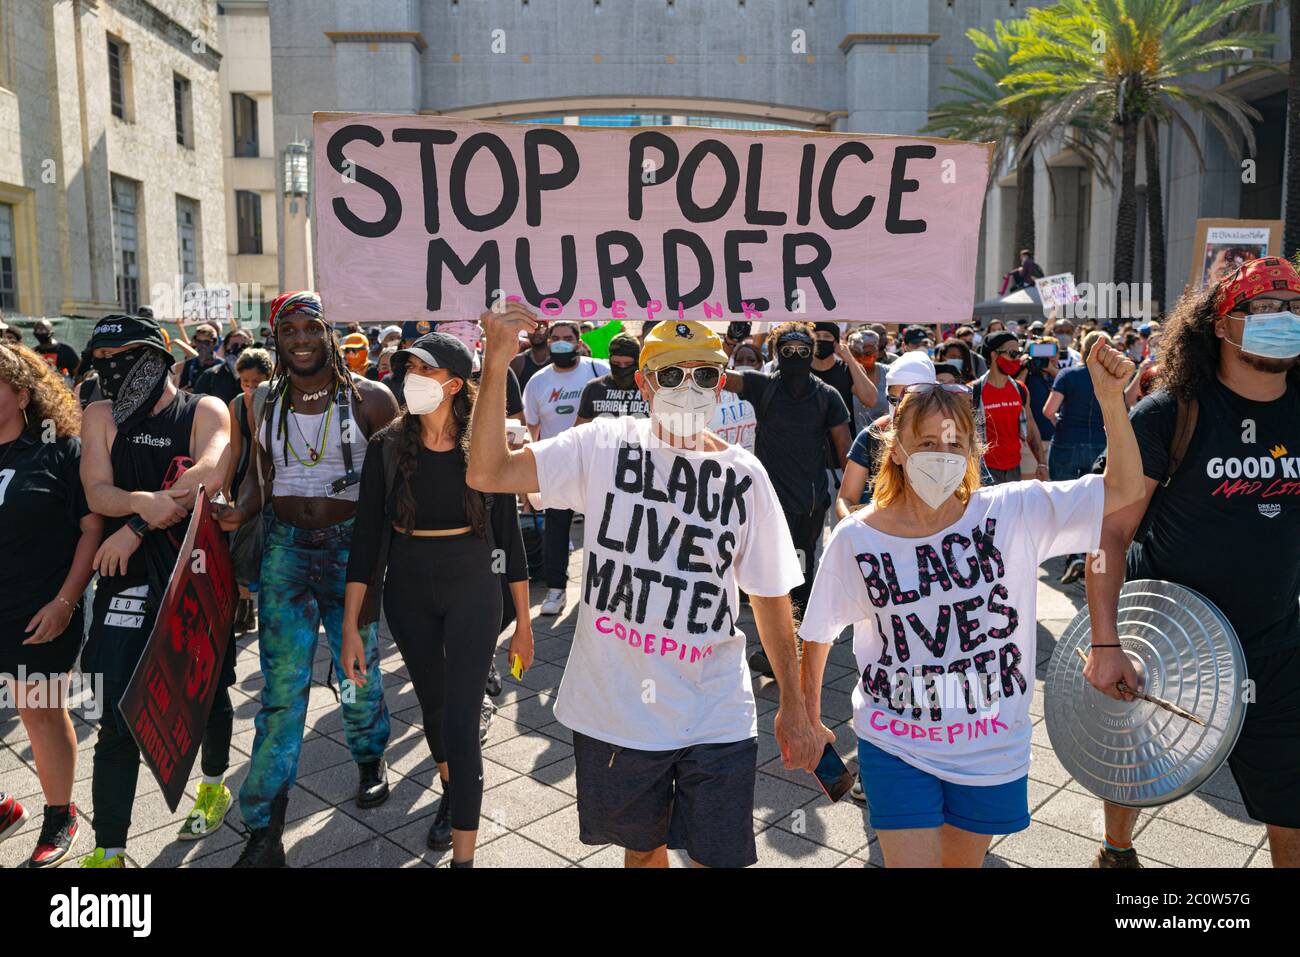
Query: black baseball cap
<point>915,335</point>
<point>116,331</point>
<point>441,351</point>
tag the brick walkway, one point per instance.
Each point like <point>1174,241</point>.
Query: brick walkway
<point>529,810</point>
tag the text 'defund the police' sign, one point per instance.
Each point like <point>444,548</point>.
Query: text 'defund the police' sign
<point>430,217</point>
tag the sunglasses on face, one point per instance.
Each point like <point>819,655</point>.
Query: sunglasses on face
<point>1009,353</point>
<point>672,377</point>
<point>1263,307</point>
<point>925,388</point>
<point>796,351</point>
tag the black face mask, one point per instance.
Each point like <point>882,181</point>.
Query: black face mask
<point>794,368</point>
<point>565,360</point>
<point>111,376</point>
<point>824,349</point>
<point>623,377</point>
<point>43,338</point>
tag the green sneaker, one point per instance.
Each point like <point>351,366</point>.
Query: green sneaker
<point>97,860</point>
<point>209,811</point>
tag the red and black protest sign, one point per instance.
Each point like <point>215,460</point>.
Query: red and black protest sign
<point>170,695</point>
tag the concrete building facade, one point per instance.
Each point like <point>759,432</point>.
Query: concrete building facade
<point>841,65</point>
<point>249,153</point>
<point>110,154</point>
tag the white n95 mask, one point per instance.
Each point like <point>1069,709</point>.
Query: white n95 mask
<point>423,394</point>
<point>934,476</point>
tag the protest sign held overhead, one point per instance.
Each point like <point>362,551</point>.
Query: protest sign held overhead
<point>439,218</point>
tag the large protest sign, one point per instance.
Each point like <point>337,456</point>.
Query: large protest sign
<point>170,695</point>
<point>1057,290</point>
<point>432,217</point>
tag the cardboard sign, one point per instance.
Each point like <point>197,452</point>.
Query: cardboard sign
<point>1057,290</point>
<point>205,304</point>
<point>427,217</point>
<point>1222,245</point>
<point>170,695</point>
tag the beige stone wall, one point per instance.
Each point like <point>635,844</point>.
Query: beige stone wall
<point>59,143</point>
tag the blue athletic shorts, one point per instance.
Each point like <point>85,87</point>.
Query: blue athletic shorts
<point>901,796</point>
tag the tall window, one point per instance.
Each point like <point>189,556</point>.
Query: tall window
<point>126,243</point>
<point>187,239</point>
<point>8,267</point>
<point>248,216</point>
<point>244,109</point>
<point>184,119</point>
<point>117,57</point>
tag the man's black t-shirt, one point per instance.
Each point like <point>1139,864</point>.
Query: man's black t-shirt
<point>792,437</point>
<point>192,369</point>
<point>840,379</point>
<point>514,395</point>
<point>1228,524</point>
<point>61,357</point>
<point>602,397</point>
<point>218,381</point>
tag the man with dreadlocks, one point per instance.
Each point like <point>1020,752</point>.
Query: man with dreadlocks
<point>311,445</point>
<point>144,453</point>
<point>1225,522</point>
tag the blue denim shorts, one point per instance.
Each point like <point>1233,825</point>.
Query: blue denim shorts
<point>901,796</point>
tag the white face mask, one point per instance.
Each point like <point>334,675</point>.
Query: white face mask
<point>423,394</point>
<point>685,411</point>
<point>934,476</point>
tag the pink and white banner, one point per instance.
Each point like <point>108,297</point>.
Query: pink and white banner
<point>432,217</point>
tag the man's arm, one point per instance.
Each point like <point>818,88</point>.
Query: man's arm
<point>378,407</point>
<point>492,467</point>
<point>1104,578</point>
<point>210,450</point>
<point>842,441</point>
<point>1053,405</point>
<point>801,747</point>
<point>1036,443</point>
<point>852,486</point>
<point>159,509</point>
<point>733,381</point>
<point>863,387</point>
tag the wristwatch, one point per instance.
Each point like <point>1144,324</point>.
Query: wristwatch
<point>138,525</point>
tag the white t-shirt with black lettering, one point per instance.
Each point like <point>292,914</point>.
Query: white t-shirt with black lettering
<point>551,397</point>
<point>944,627</point>
<point>658,662</point>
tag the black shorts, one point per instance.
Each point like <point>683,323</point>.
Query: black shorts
<point>121,621</point>
<point>698,799</point>
<point>1266,759</point>
<point>55,657</point>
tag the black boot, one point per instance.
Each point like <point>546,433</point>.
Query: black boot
<point>265,847</point>
<point>439,838</point>
<point>372,789</point>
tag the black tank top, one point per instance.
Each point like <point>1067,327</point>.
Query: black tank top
<point>141,458</point>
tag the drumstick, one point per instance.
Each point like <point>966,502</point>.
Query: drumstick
<point>1158,702</point>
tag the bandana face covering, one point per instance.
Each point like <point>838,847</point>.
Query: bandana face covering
<point>134,383</point>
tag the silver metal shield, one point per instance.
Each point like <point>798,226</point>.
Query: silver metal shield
<point>1136,753</point>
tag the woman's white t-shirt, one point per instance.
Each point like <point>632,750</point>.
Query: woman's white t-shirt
<point>658,662</point>
<point>944,627</point>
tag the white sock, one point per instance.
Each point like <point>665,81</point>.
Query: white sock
<point>112,852</point>
<point>213,779</point>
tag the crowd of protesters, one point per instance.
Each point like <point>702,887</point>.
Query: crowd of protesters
<point>426,472</point>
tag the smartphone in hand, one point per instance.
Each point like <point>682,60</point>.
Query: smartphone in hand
<point>832,774</point>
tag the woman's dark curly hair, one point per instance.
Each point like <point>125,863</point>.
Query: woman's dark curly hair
<point>50,400</point>
<point>409,442</point>
<point>1189,348</point>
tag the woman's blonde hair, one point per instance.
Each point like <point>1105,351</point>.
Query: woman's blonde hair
<point>954,407</point>
<point>49,399</point>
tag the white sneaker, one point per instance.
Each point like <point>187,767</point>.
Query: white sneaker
<point>554,603</point>
<point>856,791</point>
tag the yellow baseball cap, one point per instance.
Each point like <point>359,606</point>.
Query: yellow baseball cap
<point>681,340</point>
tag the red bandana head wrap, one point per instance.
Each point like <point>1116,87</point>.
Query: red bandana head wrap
<point>1255,278</point>
<point>300,301</point>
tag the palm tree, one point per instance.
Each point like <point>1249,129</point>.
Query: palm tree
<point>1130,58</point>
<point>977,113</point>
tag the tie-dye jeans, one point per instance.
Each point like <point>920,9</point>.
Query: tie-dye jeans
<point>303,577</point>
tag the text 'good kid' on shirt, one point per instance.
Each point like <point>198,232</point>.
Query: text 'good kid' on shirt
<point>658,662</point>
<point>551,396</point>
<point>944,627</point>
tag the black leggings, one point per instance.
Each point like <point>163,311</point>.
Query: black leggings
<point>443,604</point>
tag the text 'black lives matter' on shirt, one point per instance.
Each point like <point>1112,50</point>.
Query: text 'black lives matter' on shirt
<point>1228,524</point>
<point>944,626</point>
<point>658,661</point>
<point>602,397</point>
